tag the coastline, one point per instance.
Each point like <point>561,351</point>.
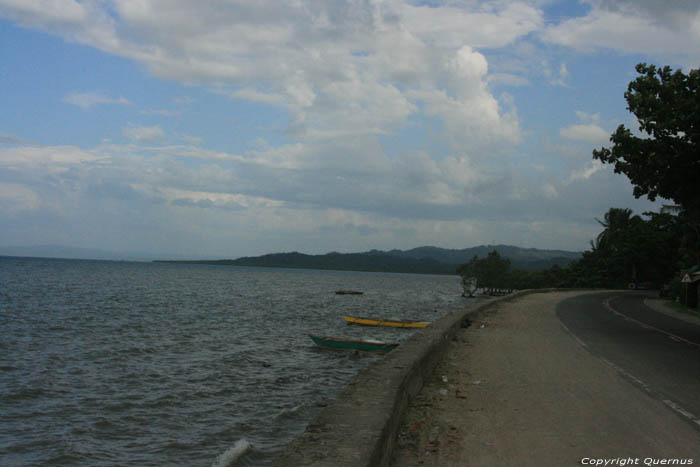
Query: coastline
<point>359,428</point>
<point>514,388</point>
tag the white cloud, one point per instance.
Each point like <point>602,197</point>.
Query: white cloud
<point>648,27</point>
<point>585,173</point>
<point>87,100</point>
<point>144,134</point>
<point>294,195</point>
<point>193,140</point>
<point>349,77</point>
<point>550,191</point>
<point>6,138</point>
<point>586,117</point>
<point>45,12</point>
<point>161,112</point>
<point>589,133</point>
<point>337,68</point>
<point>454,26</point>
<point>31,157</point>
<point>559,78</point>
<point>15,198</point>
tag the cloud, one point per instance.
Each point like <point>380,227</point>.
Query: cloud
<point>161,112</point>
<point>193,140</point>
<point>143,134</point>
<point>351,79</point>
<point>589,133</point>
<point>14,140</point>
<point>336,68</point>
<point>88,100</point>
<point>559,78</point>
<point>31,157</point>
<point>287,197</point>
<point>15,198</point>
<point>585,173</point>
<point>648,27</point>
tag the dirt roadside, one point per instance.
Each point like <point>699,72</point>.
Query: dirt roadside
<point>516,388</point>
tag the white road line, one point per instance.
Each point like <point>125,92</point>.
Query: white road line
<point>676,338</point>
<point>669,403</point>
<point>682,411</point>
<point>644,386</point>
<point>581,343</point>
<point>629,375</point>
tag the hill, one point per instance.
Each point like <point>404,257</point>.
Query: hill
<point>422,260</point>
<point>530,259</point>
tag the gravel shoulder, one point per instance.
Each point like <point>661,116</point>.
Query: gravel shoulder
<point>662,306</point>
<point>515,388</point>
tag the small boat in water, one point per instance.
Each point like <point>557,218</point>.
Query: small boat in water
<point>348,292</point>
<point>394,323</point>
<point>339,343</point>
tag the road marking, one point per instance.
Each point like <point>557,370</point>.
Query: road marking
<point>626,374</point>
<point>576,338</point>
<point>669,403</point>
<point>629,375</point>
<point>682,411</point>
<point>647,326</point>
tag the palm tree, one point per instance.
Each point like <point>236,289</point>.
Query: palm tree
<point>619,242</point>
<point>616,223</point>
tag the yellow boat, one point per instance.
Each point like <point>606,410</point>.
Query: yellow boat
<point>404,323</point>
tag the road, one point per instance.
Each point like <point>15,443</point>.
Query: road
<point>658,353</point>
<point>559,378</point>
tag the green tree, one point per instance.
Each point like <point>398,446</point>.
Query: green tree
<point>491,272</point>
<point>665,160</point>
<point>630,249</point>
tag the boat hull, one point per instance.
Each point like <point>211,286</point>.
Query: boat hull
<point>338,343</point>
<point>386,322</point>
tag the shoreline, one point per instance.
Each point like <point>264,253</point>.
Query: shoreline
<point>514,388</point>
<point>359,428</point>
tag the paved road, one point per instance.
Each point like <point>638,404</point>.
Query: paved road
<point>656,352</point>
<point>517,389</point>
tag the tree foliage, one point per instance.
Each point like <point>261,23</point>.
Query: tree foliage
<point>662,162</point>
<point>629,250</point>
<point>491,272</point>
<point>666,162</point>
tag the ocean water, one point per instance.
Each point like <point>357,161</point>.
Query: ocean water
<point>123,363</point>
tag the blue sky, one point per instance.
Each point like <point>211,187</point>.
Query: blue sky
<point>231,128</point>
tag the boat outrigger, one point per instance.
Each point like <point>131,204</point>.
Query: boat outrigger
<point>339,343</point>
<point>394,323</point>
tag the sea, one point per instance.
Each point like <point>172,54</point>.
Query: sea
<point>108,363</point>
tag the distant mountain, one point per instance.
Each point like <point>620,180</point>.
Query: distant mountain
<point>422,260</point>
<point>521,258</point>
<point>340,262</point>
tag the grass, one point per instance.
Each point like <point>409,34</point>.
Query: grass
<point>679,307</point>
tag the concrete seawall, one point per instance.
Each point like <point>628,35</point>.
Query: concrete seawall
<point>359,428</point>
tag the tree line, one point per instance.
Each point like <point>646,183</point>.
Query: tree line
<point>662,160</point>
<point>631,252</point>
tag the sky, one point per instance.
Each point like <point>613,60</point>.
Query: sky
<point>227,128</point>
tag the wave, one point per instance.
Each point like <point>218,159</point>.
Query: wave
<point>228,458</point>
<point>288,412</point>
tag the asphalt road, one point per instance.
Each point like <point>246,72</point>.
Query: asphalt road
<point>656,352</point>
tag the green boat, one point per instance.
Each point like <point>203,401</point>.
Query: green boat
<point>339,343</point>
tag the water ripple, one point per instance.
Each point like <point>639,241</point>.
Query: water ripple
<point>108,363</point>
